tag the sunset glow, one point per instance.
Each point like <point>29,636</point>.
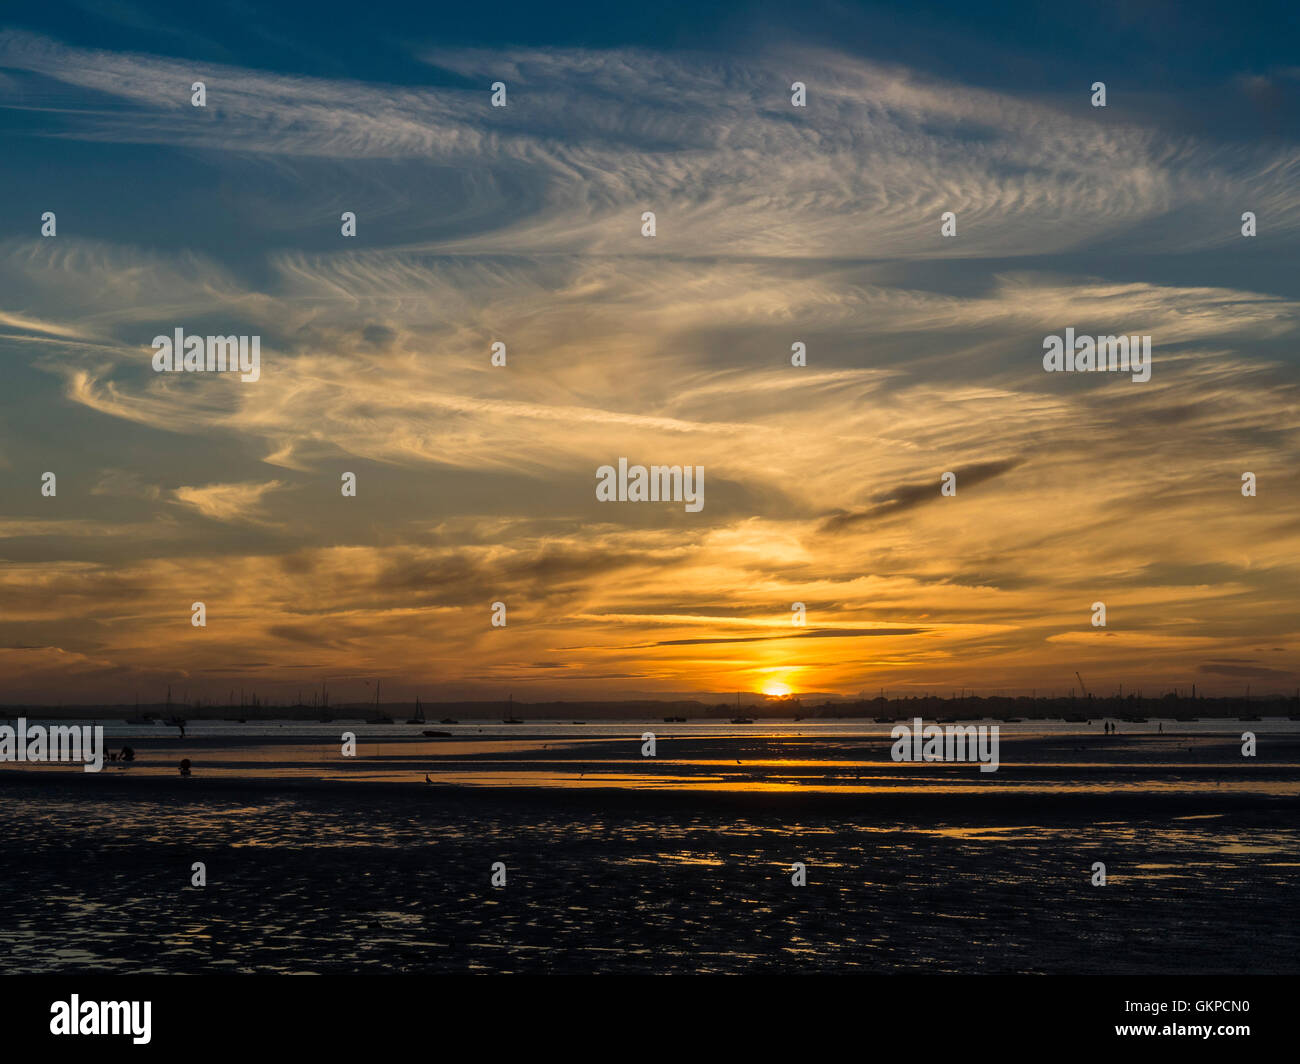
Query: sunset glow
<point>479,482</point>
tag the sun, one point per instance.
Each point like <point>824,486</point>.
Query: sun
<point>776,690</point>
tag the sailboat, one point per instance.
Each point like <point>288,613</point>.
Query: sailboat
<point>738,719</point>
<point>173,718</point>
<point>428,733</point>
<point>381,717</point>
<point>510,714</point>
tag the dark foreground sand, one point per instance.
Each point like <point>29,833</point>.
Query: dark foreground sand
<point>309,874</point>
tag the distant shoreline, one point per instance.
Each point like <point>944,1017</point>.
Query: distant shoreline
<point>995,710</point>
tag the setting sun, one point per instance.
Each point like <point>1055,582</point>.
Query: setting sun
<point>776,690</point>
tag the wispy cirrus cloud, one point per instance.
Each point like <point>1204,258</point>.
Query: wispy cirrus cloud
<point>775,226</point>
<point>591,138</point>
<point>228,502</point>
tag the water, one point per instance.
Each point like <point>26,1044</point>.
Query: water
<point>1048,758</point>
<point>912,868</point>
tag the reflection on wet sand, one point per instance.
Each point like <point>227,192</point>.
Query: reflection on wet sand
<point>834,761</point>
<point>319,863</point>
<point>348,880</point>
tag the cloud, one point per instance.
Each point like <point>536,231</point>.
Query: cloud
<point>592,138</point>
<point>1253,671</point>
<point>228,502</point>
<point>477,481</point>
<point>904,497</point>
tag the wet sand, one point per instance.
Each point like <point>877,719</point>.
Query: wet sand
<point>314,870</point>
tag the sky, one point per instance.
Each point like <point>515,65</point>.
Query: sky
<point>523,224</point>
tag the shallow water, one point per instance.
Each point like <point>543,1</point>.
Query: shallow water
<point>616,862</point>
<point>1051,758</point>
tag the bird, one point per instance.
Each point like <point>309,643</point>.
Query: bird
<point>426,778</point>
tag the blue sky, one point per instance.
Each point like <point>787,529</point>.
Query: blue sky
<point>522,224</point>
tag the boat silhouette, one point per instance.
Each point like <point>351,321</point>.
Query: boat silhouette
<point>379,717</point>
<point>738,718</point>
<point>510,715</point>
